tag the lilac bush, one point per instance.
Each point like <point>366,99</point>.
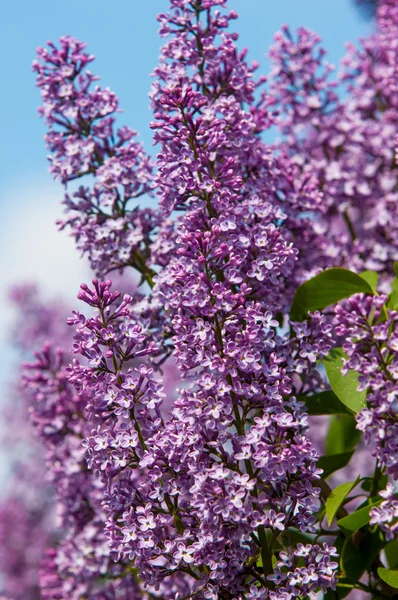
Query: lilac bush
<point>177,411</point>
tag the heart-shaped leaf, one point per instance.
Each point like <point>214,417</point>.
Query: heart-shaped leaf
<point>325,289</point>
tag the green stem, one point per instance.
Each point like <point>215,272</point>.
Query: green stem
<point>350,226</point>
<point>376,479</point>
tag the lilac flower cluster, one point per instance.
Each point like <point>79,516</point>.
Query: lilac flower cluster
<point>386,515</point>
<point>235,437</point>
<point>200,489</point>
<point>84,141</point>
<point>318,571</point>
<point>370,333</point>
<point>208,122</point>
<point>347,144</point>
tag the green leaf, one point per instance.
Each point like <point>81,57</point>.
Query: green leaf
<point>392,302</point>
<point>337,497</point>
<point>396,269</point>
<point>352,560</point>
<point>358,553</point>
<point>342,434</point>
<point>325,289</point>
<point>371,277</point>
<point>391,551</point>
<point>340,443</point>
<point>344,386</point>
<point>357,519</point>
<point>333,462</point>
<point>324,403</point>
<point>388,575</point>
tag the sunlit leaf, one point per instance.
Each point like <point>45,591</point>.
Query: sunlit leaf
<point>357,519</point>
<point>325,289</point>
<point>337,497</point>
<point>371,277</point>
<point>344,386</point>
<point>388,575</point>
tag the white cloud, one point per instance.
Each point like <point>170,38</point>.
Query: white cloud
<point>32,248</point>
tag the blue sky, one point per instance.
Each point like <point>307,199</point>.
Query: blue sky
<point>123,36</point>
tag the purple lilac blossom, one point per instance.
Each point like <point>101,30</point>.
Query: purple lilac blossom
<point>386,515</point>
<point>185,489</point>
<point>371,348</point>
<point>161,497</point>
<point>84,141</point>
<point>348,144</point>
<point>173,493</point>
